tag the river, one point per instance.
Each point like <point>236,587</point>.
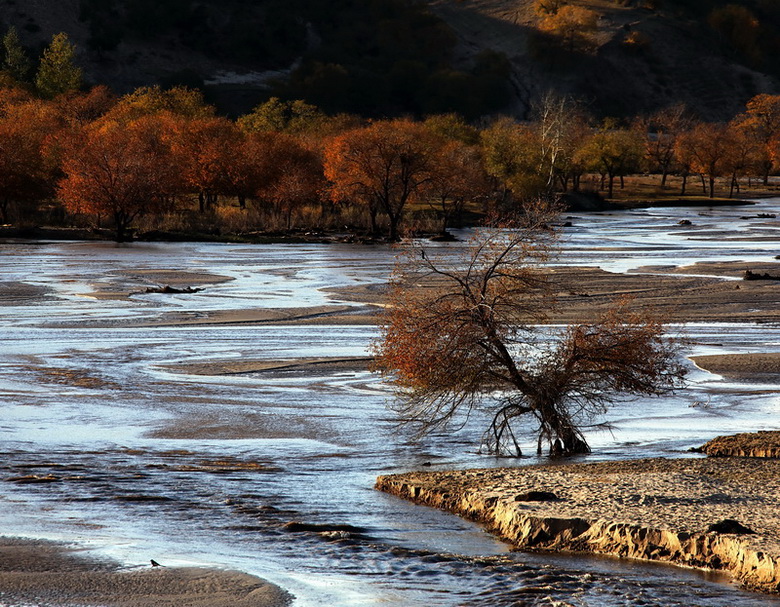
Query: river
<point>146,460</point>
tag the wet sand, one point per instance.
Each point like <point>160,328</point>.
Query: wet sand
<point>54,575</point>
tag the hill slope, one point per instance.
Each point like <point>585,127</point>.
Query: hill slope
<point>639,60</point>
<point>676,61</point>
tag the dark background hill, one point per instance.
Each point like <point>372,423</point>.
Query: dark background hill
<point>390,57</point>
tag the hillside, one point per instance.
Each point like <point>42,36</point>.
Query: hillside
<point>676,59</point>
<point>386,57</point>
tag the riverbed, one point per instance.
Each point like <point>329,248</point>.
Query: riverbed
<point>155,430</point>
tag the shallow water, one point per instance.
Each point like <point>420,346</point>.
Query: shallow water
<point>142,461</point>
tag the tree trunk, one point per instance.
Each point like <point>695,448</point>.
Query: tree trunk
<point>684,183</point>
<point>712,186</point>
<point>395,219</point>
<point>372,213</point>
<point>121,224</point>
<point>565,438</point>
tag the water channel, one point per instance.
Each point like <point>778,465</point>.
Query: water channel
<point>153,461</point>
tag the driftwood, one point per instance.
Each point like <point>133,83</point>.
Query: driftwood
<point>170,289</point>
<point>749,275</point>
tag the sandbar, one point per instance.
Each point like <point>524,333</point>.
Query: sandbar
<point>56,575</point>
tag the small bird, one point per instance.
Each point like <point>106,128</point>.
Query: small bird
<point>155,563</point>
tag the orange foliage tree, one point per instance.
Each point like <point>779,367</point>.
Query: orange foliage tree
<point>761,120</point>
<point>574,25</point>
<point>120,170</point>
<point>291,174</point>
<point>26,176</point>
<point>462,333</point>
<point>385,165</point>
<point>706,148</point>
<point>203,149</point>
<point>458,177</point>
<point>661,131</point>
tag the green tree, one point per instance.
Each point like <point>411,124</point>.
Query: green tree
<point>15,61</point>
<point>58,72</point>
<point>282,116</point>
<point>612,152</point>
<point>512,154</point>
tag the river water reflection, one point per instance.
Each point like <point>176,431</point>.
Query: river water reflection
<point>147,461</point>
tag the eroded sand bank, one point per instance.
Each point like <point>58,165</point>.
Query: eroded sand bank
<point>654,509</point>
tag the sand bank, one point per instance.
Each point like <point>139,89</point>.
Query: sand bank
<point>654,509</point>
<point>289,365</point>
<point>742,367</point>
<point>51,574</point>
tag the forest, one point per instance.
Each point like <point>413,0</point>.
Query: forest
<point>162,161</point>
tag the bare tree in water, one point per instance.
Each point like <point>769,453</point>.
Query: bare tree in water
<point>462,333</point>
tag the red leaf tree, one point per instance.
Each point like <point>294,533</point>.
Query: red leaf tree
<point>463,333</point>
<point>120,170</point>
<point>385,165</point>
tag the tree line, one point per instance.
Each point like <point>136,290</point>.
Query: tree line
<point>162,159</point>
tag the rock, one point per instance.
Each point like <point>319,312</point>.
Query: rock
<point>684,222</point>
<point>297,526</point>
<point>729,525</point>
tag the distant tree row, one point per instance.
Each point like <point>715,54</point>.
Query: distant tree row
<point>159,159</point>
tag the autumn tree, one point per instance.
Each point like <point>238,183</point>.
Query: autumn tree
<point>761,120</point>
<point>202,150</point>
<point>81,108</point>
<point>743,157</point>
<point>119,170</point>
<point>706,147</point>
<point>283,116</point>
<point>463,334</point>
<point>385,165</point>
<point>149,100</point>
<point>291,175</point>
<point>458,177</point>
<point>562,126</point>
<point>574,25</point>
<point>739,28</point>
<point>452,126</point>
<point>58,72</point>
<point>513,157</point>
<point>614,152</point>
<point>25,174</point>
<point>661,130</point>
